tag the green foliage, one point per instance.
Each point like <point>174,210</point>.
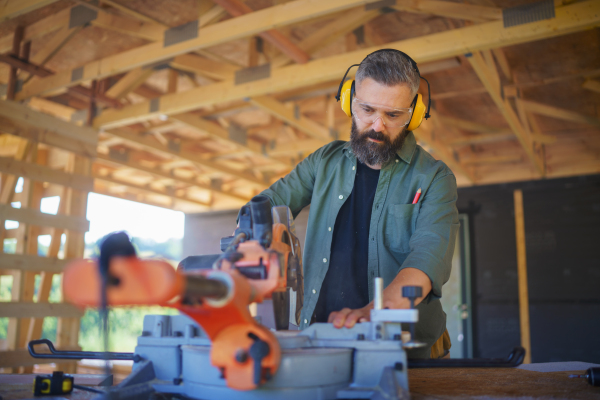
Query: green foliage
<point>125,324</point>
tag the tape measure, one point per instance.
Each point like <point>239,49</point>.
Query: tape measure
<point>50,385</point>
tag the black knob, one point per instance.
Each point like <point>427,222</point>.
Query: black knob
<point>412,292</point>
<point>259,350</point>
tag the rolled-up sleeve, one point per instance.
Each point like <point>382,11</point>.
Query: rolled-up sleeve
<point>432,242</point>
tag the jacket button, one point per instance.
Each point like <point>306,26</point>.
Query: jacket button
<point>314,291</point>
<point>324,260</point>
<point>341,196</point>
<point>329,229</point>
<point>306,321</point>
<point>353,168</point>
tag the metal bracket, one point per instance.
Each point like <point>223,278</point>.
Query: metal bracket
<point>81,15</point>
<point>250,74</point>
<point>527,13</point>
<point>181,33</point>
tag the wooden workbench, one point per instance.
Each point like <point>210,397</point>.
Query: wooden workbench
<point>505,383</point>
<point>425,384</point>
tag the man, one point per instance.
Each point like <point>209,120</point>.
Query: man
<point>362,223</point>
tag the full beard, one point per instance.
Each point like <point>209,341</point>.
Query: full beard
<point>371,153</point>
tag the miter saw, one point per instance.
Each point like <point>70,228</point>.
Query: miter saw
<point>218,350</point>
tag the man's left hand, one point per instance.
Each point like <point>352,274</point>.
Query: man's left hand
<point>348,318</point>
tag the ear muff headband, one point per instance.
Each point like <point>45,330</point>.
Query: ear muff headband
<point>346,89</point>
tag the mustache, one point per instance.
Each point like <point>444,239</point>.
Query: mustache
<point>374,135</point>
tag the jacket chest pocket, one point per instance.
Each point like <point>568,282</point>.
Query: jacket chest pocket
<point>400,225</point>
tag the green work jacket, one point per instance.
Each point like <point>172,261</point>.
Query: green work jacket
<point>401,234</point>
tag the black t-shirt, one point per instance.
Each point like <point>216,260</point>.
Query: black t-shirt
<point>345,284</point>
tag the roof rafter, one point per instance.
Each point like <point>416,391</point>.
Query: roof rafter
<point>571,18</point>
<point>244,26</point>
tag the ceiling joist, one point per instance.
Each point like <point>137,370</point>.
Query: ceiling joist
<point>571,18</point>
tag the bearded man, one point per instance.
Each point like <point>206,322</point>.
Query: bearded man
<point>363,223</point>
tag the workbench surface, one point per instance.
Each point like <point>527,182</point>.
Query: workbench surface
<point>425,384</point>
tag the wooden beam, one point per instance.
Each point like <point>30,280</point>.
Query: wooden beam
<point>469,125</point>
<point>203,66</point>
<point>558,113</point>
<point>244,26</point>
<point>128,83</point>
<point>16,62</point>
<point>38,29</point>
<point>522,274</point>
<point>148,30</point>
<point>236,8</point>
<point>16,52</point>
<point>169,175</point>
<point>51,138</point>
<point>482,138</point>
<point>489,77</point>
<point>22,114</point>
<point>13,8</point>
<point>340,26</point>
<point>443,45</point>
<point>39,310</point>
<point>592,85</point>
<point>297,120</point>
<point>29,216</point>
<point>215,131</point>
<point>186,155</point>
<point>148,189</point>
<point>450,9</point>
<point>511,158</point>
<point>40,173</point>
<point>31,263</point>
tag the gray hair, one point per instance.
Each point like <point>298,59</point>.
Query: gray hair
<point>389,68</point>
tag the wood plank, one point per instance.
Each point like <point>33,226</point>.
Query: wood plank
<point>558,113</point>
<point>186,155</point>
<point>13,8</point>
<point>38,29</point>
<point>280,111</point>
<point>128,83</point>
<point>235,28</point>
<point>169,175</point>
<point>34,119</point>
<point>450,9</point>
<point>482,138</point>
<point>592,85</point>
<point>28,216</point>
<point>340,26</point>
<point>148,189</point>
<point>443,45</point>
<point>47,137</point>
<point>214,130</point>
<point>41,173</point>
<point>148,30</point>
<point>39,310</point>
<point>204,66</point>
<point>510,158</point>
<point>522,274</point>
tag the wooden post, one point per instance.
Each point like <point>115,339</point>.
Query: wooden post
<point>522,272</point>
<point>16,51</point>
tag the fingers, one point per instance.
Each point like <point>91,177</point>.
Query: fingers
<point>348,318</point>
<point>338,318</point>
<point>354,317</point>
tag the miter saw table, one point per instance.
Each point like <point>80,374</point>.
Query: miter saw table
<point>218,350</point>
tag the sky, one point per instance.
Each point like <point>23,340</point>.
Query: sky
<point>110,214</point>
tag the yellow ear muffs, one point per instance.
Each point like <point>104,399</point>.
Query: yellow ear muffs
<point>418,114</point>
<point>346,95</point>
